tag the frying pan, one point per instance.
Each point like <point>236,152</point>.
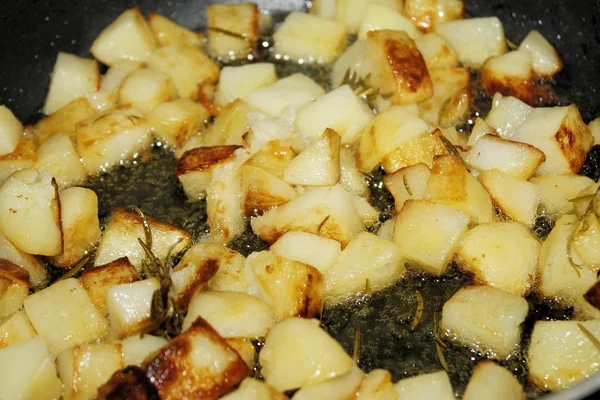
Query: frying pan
<point>33,31</point>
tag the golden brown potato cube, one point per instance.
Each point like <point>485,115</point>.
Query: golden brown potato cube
<point>16,329</point>
<point>426,14</point>
<point>106,96</point>
<point>273,157</point>
<point>187,66</point>
<point>24,156</point>
<point>144,89</point>
<point>36,269</point>
<point>546,61</point>
<point>339,388</point>
<point>493,382</point>
<point>397,67</point>
<point>64,120</point>
<point>246,351</point>
<point>169,32</point>
<point>451,98</point>
<point>58,156</point>
<point>170,121</point>
<point>96,281</point>
<point>240,19</point>
<point>409,183</point>
<point>14,287</point>
<point>230,275</point>
<point>289,287</point>
<point>196,364</point>
<point>262,191</point>
<point>436,51</point>
<point>11,130</point>
<point>230,126</point>
<point>195,168</point>
<point>510,74</point>
<point>421,150</point>
<point>129,307</point>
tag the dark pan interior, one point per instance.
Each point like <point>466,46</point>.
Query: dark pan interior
<point>33,31</point>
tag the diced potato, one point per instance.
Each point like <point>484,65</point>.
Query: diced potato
<point>14,288</point>
<point>368,214</point>
<point>96,281</point>
<point>507,114</point>
<point>196,167</point>
<point>494,382</point>
<point>84,368</point>
<point>128,306</point>
<point>594,126</point>
<point>351,178</point>
<point>426,14</point>
<point>293,91</point>
<point>556,191</point>
<point>30,212</point>
<point>436,51</point>
<point>561,134</point>
<point>519,160</point>
<point>385,133</point>
<point>350,61</point>
<point>503,255</point>
<point>427,386</point>
<point>170,121</point>
<point>128,37</point>
<point>72,77</point>
<point>289,287</point>
<point>262,191</point>
<point>64,315</point>
<point>396,66</point>
<point>451,98</point>
<point>409,183</point>
<point>516,198</point>
<point>486,319</point>
<point>420,150</point>
<point>23,157</point>
<point>386,230</point>
<point>328,212</point>
<point>377,385</point>
<point>340,110</point>
<point>144,89</point>
<point>380,16</point>
<point>196,364</point>
<point>27,371</point>
<point>583,199</point>
<point>239,82</point>
<point>323,8</point>
<point>230,275</point>
<point>241,19</point>
<point>64,120</point>
<point>474,39</point>
<point>245,349</point>
<point>107,95</point>
<point>339,388</point>
<point>114,137</point>
<point>546,61</point>
<point>429,234</point>
<point>253,389</point>
<point>298,353</point>
<point>229,128</point>
<point>510,74</point>
<point>135,349</point>
<point>561,354</point>
<point>479,130</point>
<point>308,248</point>
<point>168,32</point>
<point>36,269</point>
<point>11,131</point>
<point>16,329</point>
<point>584,242</point>
<point>187,66</point>
<point>231,314</point>
<point>451,184</point>
<point>318,164</point>
<point>310,38</point>
<point>190,275</point>
<point>121,235</point>
<point>366,258</point>
<point>58,156</point>
<point>273,157</point>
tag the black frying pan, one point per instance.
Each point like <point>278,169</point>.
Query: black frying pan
<point>33,31</point>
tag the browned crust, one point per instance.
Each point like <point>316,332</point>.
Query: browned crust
<point>592,296</point>
<point>521,88</point>
<point>129,383</point>
<point>204,158</point>
<point>57,214</point>
<point>204,273</point>
<point>310,304</point>
<point>13,272</point>
<point>115,272</point>
<point>407,64</point>
<point>574,139</point>
<point>121,215</point>
<point>25,151</point>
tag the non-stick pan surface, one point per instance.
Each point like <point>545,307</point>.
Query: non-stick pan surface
<point>33,31</point>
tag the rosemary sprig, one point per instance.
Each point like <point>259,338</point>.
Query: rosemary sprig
<point>418,312</point>
<point>454,151</point>
<point>362,85</point>
<point>356,347</point>
<point>589,335</point>
<point>323,224</point>
<point>73,271</point>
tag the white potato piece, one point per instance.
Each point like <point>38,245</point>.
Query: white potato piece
<point>36,269</point>
<point>168,32</point>
<point>170,121</point>
<point>128,306</point>
<point>295,91</point>
<point>428,234</point>
<point>27,372</point>
<point>451,98</point>
<point>64,315</point>
<point>84,368</point>
<point>340,110</point>
<point>14,288</point>
<point>230,275</point>
<point>323,8</point>
<point>298,353</point>
<point>379,17</point>
<point>351,178</point>
<point>30,212</point>
<point>546,61</point>
<point>556,191</point>
<point>239,82</point>
<point>62,121</point>
<point>253,389</point>
<point>11,131</point>
<point>16,329</point>
<point>262,191</point>
<point>594,126</point>
<point>426,14</point>
<point>507,114</point>
<point>377,385</point>
<point>408,183</point>
<point>503,255</point>
<point>427,386</point>
<point>318,164</point>
<point>584,242</point>
<point>420,150</point>
<point>494,382</point>
<point>242,19</point>
<point>338,388</point>
<point>127,37</point>
<point>144,89</point>
<point>135,349</point>
<point>245,349</point>
<point>308,248</point>
<point>474,39</point>
<point>486,319</point>
<point>23,157</point>
<point>231,314</point>
<point>510,74</point>
<point>386,230</point>
<point>72,77</point>
<point>561,354</point>
<point>310,38</point>
<point>436,51</point>
<point>273,157</point>
<point>367,257</point>
<point>480,129</point>
<point>351,60</point>
<point>58,156</point>
<point>107,94</point>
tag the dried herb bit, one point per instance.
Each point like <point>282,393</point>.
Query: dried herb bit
<point>406,185</point>
<point>73,271</point>
<point>419,311</point>
<point>356,348</point>
<point>361,86</point>
<point>452,149</point>
<point>134,119</point>
<point>590,336</point>
<point>441,358</point>
<point>322,224</point>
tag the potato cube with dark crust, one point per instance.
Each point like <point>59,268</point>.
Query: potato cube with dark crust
<point>130,383</point>
<point>422,149</point>
<point>24,156</point>
<point>510,74</point>
<point>240,19</point>
<point>14,287</point>
<point>262,191</point>
<point>195,168</point>
<point>397,67</point>
<point>98,280</point>
<point>196,364</point>
<point>36,269</point>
